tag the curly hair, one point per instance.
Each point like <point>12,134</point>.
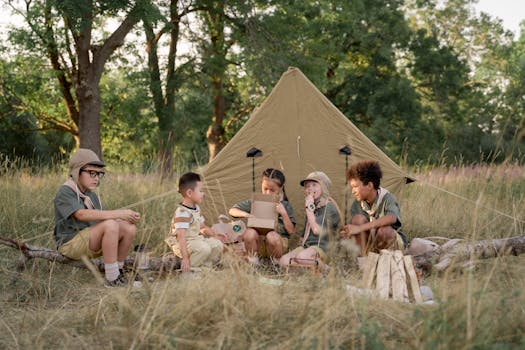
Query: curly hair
<point>366,171</point>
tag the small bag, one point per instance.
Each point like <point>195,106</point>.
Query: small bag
<point>232,229</point>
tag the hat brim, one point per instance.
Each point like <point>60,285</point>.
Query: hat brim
<point>97,163</point>
<point>303,181</point>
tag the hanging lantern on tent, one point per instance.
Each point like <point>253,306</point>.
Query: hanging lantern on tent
<point>252,153</point>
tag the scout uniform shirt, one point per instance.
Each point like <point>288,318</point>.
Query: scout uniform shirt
<point>185,218</point>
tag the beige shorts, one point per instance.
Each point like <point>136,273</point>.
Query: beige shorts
<point>397,245</point>
<point>79,246</point>
<point>264,252</point>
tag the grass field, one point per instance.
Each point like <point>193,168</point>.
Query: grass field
<point>58,306</point>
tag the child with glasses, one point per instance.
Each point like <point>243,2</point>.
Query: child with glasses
<point>82,228</point>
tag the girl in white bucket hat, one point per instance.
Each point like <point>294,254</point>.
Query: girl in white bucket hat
<point>321,226</point>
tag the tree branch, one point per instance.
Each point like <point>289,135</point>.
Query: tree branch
<point>31,252</point>
<point>115,40</point>
<point>456,251</point>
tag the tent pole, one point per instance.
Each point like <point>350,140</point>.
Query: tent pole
<point>346,190</point>
<point>346,151</point>
<point>253,175</point>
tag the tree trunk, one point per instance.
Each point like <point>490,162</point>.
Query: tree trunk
<point>88,95</point>
<point>91,60</point>
<point>217,66</point>
<point>164,104</point>
<point>215,133</point>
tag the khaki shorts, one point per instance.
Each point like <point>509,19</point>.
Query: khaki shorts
<point>264,252</point>
<point>398,244</point>
<point>79,246</point>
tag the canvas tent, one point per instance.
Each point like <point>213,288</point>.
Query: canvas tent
<point>298,131</point>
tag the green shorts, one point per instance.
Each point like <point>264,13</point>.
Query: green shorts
<point>79,246</point>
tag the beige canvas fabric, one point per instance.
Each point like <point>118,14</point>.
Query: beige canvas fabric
<point>299,131</point>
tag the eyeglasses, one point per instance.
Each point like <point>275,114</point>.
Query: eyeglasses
<point>94,173</point>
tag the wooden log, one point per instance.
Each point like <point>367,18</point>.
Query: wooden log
<point>459,251</point>
<point>399,281</point>
<point>383,274</point>
<point>414,283</point>
<point>370,270</point>
<point>167,263</point>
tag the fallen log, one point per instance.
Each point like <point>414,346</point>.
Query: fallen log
<point>440,258</point>
<point>29,251</point>
<point>456,251</point>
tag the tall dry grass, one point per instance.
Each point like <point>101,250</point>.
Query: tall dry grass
<point>56,306</point>
<point>481,201</point>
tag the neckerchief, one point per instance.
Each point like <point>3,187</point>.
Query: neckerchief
<point>87,201</point>
<point>381,192</point>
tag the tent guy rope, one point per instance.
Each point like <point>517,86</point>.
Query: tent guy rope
<point>471,201</point>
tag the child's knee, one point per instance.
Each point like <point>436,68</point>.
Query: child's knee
<point>204,249</point>
<point>386,235</point>
<point>273,239</point>
<point>131,230</point>
<point>216,245</point>
<point>110,226</point>
<point>250,235</point>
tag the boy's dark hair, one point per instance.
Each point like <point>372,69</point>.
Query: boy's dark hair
<point>366,171</point>
<point>188,181</point>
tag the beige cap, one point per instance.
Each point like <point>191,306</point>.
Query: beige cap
<point>80,159</point>
<point>321,178</point>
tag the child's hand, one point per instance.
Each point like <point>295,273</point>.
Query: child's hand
<point>349,230</point>
<point>185,265</point>
<point>129,215</point>
<point>309,200</point>
<point>207,232</point>
<point>279,208</point>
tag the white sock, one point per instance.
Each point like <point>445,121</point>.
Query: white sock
<point>253,259</point>
<point>111,271</point>
<point>120,264</point>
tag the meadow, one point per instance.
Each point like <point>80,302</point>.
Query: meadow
<point>57,306</point>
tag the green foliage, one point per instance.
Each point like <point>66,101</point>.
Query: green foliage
<point>426,83</point>
<point>27,98</point>
<point>128,122</point>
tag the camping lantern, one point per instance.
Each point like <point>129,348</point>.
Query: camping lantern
<point>252,153</point>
